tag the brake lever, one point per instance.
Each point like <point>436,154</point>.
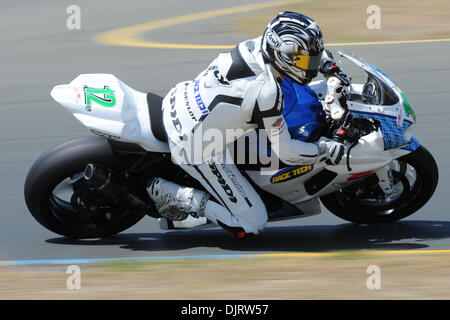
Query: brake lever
<point>354,144</point>
<point>341,75</point>
<point>331,68</point>
<point>345,132</point>
<point>343,78</point>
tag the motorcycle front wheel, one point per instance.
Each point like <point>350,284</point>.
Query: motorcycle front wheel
<point>415,178</point>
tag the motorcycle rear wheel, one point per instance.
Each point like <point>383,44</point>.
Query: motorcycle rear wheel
<point>416,179</point>
<point>52,199</point>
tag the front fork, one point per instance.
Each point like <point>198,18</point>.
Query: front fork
<point>384,174</point>
<point>385,180</point>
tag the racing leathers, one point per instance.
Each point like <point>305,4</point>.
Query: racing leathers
<point>237,92</point>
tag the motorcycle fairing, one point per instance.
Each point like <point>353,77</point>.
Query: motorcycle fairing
<point>397,120</point>
<point>109,107</point>
<point>393,136</point>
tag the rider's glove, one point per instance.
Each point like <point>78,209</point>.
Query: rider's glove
<point>333,150</point>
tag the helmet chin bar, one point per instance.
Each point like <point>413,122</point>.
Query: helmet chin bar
<point>290,74</point>
<point>301,81</point>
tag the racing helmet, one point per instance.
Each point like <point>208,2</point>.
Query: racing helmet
<point>293,44</point>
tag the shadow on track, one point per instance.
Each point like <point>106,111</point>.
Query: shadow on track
<point>404,235</point>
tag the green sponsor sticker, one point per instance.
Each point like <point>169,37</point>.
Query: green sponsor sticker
<point>104,97</point>
<point>408,109</point>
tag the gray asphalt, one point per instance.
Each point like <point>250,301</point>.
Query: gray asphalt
<point>38,52</point>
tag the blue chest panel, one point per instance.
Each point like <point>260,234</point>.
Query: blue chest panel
<point>302,109</point>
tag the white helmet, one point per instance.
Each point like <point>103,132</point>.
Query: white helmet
<point>293,44</point>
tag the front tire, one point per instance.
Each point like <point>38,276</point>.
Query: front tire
<point>415,193</point>
<point>55,172</point>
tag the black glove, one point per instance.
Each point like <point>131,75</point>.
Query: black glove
<point>336,152</point>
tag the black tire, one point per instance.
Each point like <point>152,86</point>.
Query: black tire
<point>410,200</point>
<point>59,163</point>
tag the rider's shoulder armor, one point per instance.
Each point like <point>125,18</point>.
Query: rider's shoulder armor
<point>224,95</point>
<point>240,75</point>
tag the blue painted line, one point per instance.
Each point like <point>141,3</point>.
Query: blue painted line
<point>90,260</point>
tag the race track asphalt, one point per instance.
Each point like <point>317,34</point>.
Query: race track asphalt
<point>39,52</point>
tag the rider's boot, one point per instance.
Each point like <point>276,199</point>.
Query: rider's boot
<point>175,202</point>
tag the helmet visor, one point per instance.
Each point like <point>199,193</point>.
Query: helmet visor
<point>306,62</point>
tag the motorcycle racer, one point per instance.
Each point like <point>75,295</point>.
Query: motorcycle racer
<point>240,90</point>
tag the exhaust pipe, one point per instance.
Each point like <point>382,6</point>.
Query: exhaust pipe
<point>105,180</point>
<point>115,186</point>
<point>97,178</point>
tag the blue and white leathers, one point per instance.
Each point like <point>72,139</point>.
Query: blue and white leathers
<point>237,92</point>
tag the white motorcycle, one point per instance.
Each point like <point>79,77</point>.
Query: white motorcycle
<point>95,186</point>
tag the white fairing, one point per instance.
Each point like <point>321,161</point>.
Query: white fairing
<point>123,115</point>
<point>366,157</point>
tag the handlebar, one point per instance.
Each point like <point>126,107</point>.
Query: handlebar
<point>331,69</point>
<point>349,130</point>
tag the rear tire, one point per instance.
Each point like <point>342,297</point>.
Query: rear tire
<point>411,199</point>
<point>65,161</point>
